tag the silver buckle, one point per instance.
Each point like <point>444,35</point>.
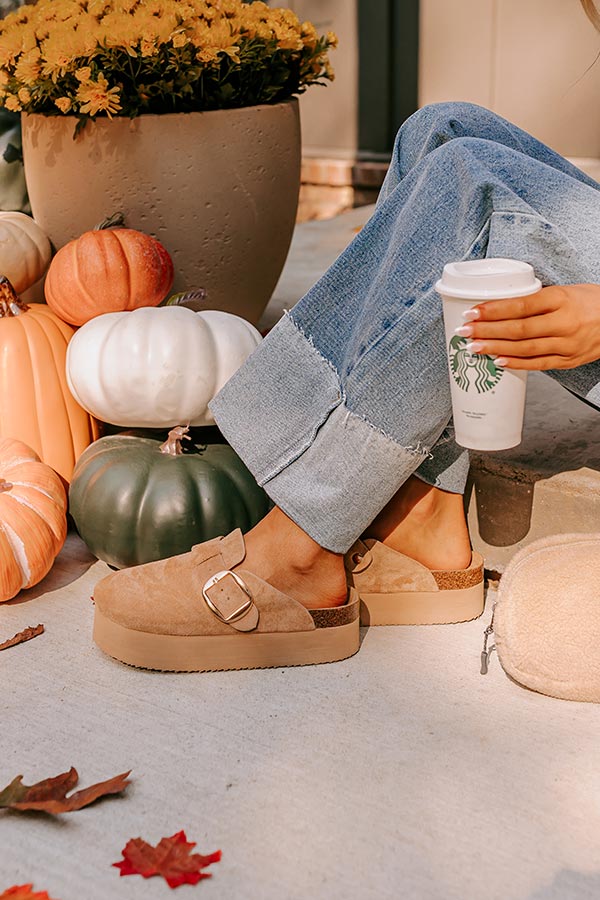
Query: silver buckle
<point>237,613</point>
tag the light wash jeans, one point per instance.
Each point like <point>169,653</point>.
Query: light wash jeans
<point>349,394</point>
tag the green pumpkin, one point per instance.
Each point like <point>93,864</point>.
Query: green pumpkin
<point>133,501</point>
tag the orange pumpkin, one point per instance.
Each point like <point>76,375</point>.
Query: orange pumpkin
<point>33,518</point>
<point>107,270</point>
<point>36,405</point>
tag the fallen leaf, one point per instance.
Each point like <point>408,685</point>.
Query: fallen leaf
<point>172,858</point>
<point>50,795</point>
<point>24,892</point>
<point>22,636</point>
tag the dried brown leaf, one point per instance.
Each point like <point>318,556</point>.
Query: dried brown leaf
<point>50,795</point>
<point>26,635</point>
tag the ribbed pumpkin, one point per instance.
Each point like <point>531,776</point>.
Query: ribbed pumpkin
<point>152,367</point>
<point>36,405</point>
<point>107,270</point>
<point>33,518</point>
<point>24,250</point>
<point>135,500</point>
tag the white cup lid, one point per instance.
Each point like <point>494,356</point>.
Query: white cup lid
<point>488,279</point>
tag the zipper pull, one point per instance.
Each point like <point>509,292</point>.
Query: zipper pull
<point>485,653</point>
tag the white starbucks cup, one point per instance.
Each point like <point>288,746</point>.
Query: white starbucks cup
<point>488,402</point>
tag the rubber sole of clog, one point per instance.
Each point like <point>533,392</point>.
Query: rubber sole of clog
<point>217,653</point>
<point>443,607</point>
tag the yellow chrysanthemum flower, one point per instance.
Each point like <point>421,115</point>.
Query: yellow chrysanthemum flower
<point>180,39</point>
<point>28,67</point>
<point>64,104</point>
<point>11,44</point>
<point>56,39</point>
<point>83,74</point>
<point>148,48</point>
<point>208,55</point>
<point>59,52</point>
<point>309,34</point>
<point>96,96</point>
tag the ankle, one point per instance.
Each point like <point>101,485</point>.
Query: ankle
<point>281,553</point>
<point>286,541</point>
<point>427,524</point>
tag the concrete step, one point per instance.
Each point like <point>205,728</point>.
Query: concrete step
<point>549,484</point>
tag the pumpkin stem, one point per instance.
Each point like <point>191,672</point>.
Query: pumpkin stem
<point>10,305</point>
<point>172,445</point>
<point>5,485</point>
<point>115,221</point>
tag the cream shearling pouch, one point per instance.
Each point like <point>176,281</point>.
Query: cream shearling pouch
<point>546,620</point>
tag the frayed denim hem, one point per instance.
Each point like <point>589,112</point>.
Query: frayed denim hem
<point>329,469</point>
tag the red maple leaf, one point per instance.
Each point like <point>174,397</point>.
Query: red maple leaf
<point>172,858</point>
<point>23,892</point>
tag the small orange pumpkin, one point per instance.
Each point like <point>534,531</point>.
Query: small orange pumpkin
<point>36,405</point>
<point>107,270</point>
<point>33,518</point>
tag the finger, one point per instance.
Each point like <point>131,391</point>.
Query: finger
<point>535,364</point>
<point>521,349</point>
<point>545,301</point>
<point>554,324</point>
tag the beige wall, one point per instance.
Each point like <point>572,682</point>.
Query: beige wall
<point>526,59</point>
<point>329,114</point>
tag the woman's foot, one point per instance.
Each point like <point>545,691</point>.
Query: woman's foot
<point>426,524</point>
<point>420,521</point>
<point>278,551</point>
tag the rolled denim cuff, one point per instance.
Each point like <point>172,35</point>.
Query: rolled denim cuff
<point>327,468</point>
<point>447,465</point>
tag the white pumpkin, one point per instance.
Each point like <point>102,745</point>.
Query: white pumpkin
<point>156,367</point>
<point>25,250</point>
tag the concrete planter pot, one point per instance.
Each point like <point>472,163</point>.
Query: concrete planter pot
<point>219,189</point>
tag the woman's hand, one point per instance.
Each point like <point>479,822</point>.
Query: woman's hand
<point>557,328</point>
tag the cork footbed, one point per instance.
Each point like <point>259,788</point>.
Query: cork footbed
<point>335,637</point>
<point>396,590</point>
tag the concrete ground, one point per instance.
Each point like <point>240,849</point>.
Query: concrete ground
<point>400,773</point>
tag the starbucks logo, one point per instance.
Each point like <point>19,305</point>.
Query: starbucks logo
<point>472,371</point>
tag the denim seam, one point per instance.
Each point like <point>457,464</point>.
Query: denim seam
<point>294,454</point>
<point>418,450</point>
<point>309,339</point>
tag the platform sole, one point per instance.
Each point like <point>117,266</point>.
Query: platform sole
<point>422,607</point>
<point>217,653</point>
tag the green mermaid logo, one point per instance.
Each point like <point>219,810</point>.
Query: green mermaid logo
<point>471,370</point>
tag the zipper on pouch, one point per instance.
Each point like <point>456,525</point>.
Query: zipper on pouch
<point>487,652</point>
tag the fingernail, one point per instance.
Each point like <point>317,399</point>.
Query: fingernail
<point>501,361</point>
<point>464,331</point>
<point>474,347</point>
<point>470,314</point>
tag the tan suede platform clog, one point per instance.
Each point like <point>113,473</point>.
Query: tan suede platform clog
<point>397,590</point>
<point>191,613</point>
